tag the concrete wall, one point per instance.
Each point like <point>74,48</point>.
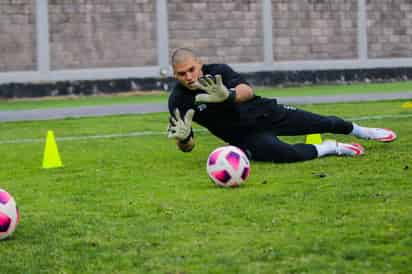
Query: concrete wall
<point>102,34</point>
<point>17,35</point>
<point>221,31</point>
<point>389,28</point>
<point>314,30</point>
<point>59,40</point>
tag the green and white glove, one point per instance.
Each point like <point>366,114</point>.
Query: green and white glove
<point>216,92</point>
<point>181,128</point>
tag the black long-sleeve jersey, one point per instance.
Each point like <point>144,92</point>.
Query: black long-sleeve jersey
<point>229,121</point>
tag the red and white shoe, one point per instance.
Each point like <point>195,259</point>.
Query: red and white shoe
<point>349,149</point>
<point>344,149</point>
<point>381,134</point>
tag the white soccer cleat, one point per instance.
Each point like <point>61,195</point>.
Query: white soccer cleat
<point>349,149</point>
<point>381,134</point>
<point>344,149</point>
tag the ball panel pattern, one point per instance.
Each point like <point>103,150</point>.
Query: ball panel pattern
<point>222,176</point>
<point>233,159</point>
<point>5,222</point>
<point>4,197</point>
<point>17,215</point>
<point>214,156</point>
<point>245,173</point>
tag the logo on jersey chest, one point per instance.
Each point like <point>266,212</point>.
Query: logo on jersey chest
<point>289,107</point>
<point>201,107</point>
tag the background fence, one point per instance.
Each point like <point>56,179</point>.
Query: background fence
<point>61,40</point>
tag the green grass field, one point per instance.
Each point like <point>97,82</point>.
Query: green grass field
<point>137,205</point>
<point>159,97</point>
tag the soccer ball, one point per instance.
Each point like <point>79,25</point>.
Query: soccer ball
<point>228,166</point>
<point>9,214</point>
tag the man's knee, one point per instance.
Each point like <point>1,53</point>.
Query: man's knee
<point>340,126</point>
<point>283,153</point>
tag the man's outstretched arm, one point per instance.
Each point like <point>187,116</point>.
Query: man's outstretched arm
<point>181,130</point>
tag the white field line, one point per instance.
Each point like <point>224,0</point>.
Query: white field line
<point>153,133</point>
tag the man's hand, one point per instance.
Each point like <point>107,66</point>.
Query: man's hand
<point>216,90</point>
<point>180,128</point>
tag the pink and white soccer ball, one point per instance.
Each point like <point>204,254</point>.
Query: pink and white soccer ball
<point>228,166</point>
<point>9,214</point>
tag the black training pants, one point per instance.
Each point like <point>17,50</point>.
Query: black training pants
<point>264,145</point>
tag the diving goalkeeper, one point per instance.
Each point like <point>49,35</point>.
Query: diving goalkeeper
<point>219,99</point>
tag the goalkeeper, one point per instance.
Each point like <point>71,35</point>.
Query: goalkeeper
<point>218,98</point>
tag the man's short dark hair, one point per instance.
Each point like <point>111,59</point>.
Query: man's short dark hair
<point>180,55</point>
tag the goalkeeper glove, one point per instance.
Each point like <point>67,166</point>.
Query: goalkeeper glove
<point>181,128</point>
<point>216,92</point>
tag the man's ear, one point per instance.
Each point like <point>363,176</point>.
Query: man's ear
<point>174,72</point>
<point>200,65</point>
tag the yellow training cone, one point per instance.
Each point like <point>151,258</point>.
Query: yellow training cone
<point>51,158</point>
<point>407,105</point>
<point>313,139</point>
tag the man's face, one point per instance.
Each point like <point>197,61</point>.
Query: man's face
<point>188,72</point>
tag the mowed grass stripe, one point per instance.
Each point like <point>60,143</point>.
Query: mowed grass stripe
<point>152,133</point>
